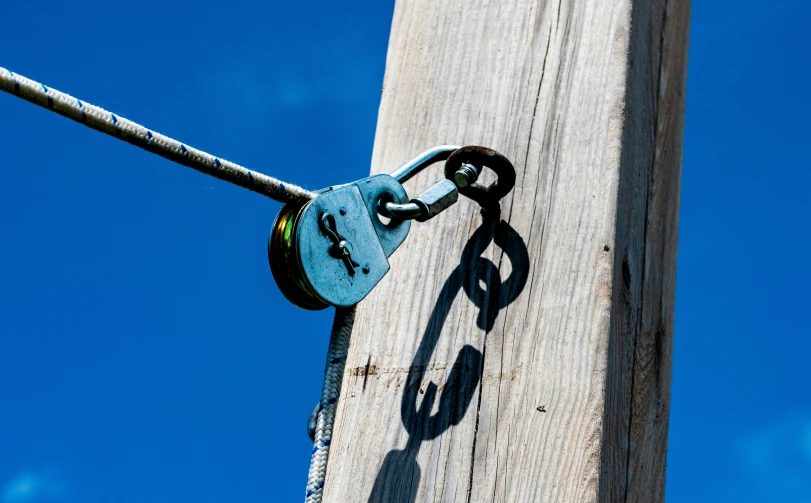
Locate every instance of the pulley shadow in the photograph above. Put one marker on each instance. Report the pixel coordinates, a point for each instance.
(399, 476)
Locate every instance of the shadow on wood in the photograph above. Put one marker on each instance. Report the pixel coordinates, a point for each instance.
(399, 476)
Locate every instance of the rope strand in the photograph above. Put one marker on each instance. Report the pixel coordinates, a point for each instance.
(124, 129)
(333, 376)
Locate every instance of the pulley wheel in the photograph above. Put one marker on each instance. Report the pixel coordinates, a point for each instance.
(285, 263)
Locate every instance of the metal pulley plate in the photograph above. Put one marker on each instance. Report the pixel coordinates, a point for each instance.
(334, 249)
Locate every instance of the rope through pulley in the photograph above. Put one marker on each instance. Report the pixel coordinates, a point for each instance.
(326, 248)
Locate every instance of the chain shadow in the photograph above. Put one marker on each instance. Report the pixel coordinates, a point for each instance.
(399, 475)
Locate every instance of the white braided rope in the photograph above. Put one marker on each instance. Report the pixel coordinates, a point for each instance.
(124, 129)
(336, 361)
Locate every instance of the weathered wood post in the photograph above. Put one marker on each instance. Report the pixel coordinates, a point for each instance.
(526, 356)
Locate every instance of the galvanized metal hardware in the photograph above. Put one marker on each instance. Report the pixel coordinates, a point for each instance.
(431, 202)
(334, 249)
(427, 205)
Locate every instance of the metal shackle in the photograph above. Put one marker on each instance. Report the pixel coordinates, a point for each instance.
(462, 169)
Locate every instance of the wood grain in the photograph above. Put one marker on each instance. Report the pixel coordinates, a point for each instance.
(526, 356)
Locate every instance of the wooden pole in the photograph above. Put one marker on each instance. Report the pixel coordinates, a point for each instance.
(526, 356)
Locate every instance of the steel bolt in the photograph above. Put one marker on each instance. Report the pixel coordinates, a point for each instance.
(466, 175)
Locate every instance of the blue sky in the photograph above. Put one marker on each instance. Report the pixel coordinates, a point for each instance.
(146, 354)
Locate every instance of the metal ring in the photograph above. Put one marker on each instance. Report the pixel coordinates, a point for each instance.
(480, 157)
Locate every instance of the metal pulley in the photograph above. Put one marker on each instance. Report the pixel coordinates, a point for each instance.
(334, 249)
